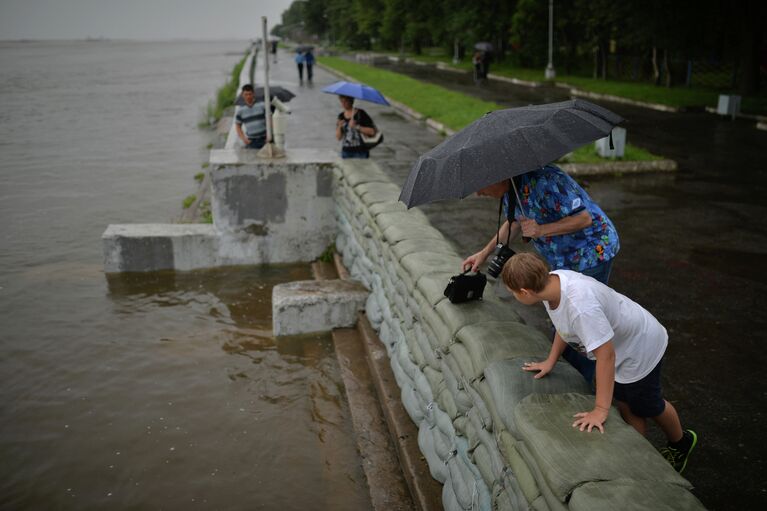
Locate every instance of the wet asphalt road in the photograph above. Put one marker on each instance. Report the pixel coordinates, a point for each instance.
(693, 246)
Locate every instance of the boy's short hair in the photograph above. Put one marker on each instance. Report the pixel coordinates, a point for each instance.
(247, 87)
(526, 271)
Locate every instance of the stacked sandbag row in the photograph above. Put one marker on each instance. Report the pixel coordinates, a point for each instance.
(494, 436)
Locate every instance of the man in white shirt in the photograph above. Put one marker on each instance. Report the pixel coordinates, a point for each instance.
(626, 341)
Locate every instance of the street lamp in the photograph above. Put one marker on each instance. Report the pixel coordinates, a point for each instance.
(550, 73)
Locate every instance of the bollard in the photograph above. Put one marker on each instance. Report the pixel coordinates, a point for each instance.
(619, 143)
(728, 105)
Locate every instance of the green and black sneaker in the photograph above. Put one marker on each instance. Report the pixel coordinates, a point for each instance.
(678, 453)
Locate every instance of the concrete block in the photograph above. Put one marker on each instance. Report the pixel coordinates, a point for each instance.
(151, 247)
(273, 210)
(316, 305)
(728, 105)
(619, 144)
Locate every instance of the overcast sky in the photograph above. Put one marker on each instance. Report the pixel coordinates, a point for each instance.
(137, 19)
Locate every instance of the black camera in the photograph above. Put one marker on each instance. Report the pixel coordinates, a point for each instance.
(500, 256)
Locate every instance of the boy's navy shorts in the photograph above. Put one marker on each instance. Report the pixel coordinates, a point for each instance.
(644, 397)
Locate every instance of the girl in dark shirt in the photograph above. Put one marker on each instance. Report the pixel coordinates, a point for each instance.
(352, 123)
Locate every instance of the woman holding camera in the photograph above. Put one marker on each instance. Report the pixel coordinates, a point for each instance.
(566, 227)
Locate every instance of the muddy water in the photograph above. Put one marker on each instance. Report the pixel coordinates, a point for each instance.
(161, 391)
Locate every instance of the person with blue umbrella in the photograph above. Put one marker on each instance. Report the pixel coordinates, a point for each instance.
(354, 127)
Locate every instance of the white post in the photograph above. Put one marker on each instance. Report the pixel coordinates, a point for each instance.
(267, 98)
(269, 150)
(550, 73)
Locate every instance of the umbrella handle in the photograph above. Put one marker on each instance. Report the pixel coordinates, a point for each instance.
(525, 239)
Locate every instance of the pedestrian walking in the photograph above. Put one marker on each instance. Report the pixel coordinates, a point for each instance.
(300, 64)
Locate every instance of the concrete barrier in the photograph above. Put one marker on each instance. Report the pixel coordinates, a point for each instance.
(150, 247)
(316, 306)
(265, 211)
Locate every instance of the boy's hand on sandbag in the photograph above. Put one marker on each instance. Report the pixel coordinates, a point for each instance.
(589, 420)
(543, 368)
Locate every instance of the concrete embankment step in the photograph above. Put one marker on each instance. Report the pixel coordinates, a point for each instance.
(316, 305)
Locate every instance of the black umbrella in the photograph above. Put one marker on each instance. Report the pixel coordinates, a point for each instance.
(304, 48)
(278, 92)
(504, 144)
(483, 46)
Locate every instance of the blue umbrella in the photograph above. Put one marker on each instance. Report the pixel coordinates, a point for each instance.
(356, 90)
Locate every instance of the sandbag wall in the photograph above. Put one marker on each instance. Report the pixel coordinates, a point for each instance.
(494, 436)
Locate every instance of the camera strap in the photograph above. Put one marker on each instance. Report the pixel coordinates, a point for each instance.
(498, 231)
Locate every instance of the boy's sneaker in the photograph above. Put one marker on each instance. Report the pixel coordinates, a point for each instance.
(679, 453)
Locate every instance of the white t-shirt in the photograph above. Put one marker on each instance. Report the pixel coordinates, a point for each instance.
(589, 314)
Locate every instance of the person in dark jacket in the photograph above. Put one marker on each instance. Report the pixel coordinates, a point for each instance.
(351, 124)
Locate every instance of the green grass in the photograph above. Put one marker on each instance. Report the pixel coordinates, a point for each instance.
(199, 177)
(452, 109)
(189, 200)
(226, 95)
(327, 254)
(588, 154)
(680, 97)
(206, 215)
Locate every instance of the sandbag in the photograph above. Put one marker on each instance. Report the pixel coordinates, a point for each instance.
(432, 286)
(437, 467)
(386, 207)
(509, 384)
(371, 193)
(435, 328)
(435, 378)
(518, 467)
(457, 316)
(569, 458)
(633, 496)
(362, 171)
(412, 403)
(447, 403)
(397, 233)
(507, 495)
(488, 342)
(461, 398)
(411, 245)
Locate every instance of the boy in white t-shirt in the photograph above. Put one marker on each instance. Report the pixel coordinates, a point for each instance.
(626, 341)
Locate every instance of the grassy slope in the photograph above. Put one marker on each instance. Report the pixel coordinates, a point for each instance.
(453, 109)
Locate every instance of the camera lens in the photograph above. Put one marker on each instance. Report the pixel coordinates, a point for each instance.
(500, 256)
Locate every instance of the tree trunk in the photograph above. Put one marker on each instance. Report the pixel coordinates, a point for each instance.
(751, 34)
(655, 70)
(666, 69)
(596, 62)
(603, 52)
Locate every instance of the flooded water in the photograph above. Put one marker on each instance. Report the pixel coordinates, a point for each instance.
(162, 391)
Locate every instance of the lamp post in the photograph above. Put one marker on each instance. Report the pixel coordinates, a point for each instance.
(550, 73)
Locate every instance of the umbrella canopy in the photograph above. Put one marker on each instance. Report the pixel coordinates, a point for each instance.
(304, 48)
(356, 90)
(483, 46)
(503, 144)
(278, 92)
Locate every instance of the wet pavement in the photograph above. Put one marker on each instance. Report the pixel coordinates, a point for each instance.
(691, 247)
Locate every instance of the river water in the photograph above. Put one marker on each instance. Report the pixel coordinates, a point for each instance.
(162, 391)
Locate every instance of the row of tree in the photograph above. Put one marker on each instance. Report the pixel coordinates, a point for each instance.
(586, 32)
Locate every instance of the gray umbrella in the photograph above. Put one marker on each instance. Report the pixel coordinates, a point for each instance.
(278, 92)
(483, 46)
(504, 144)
